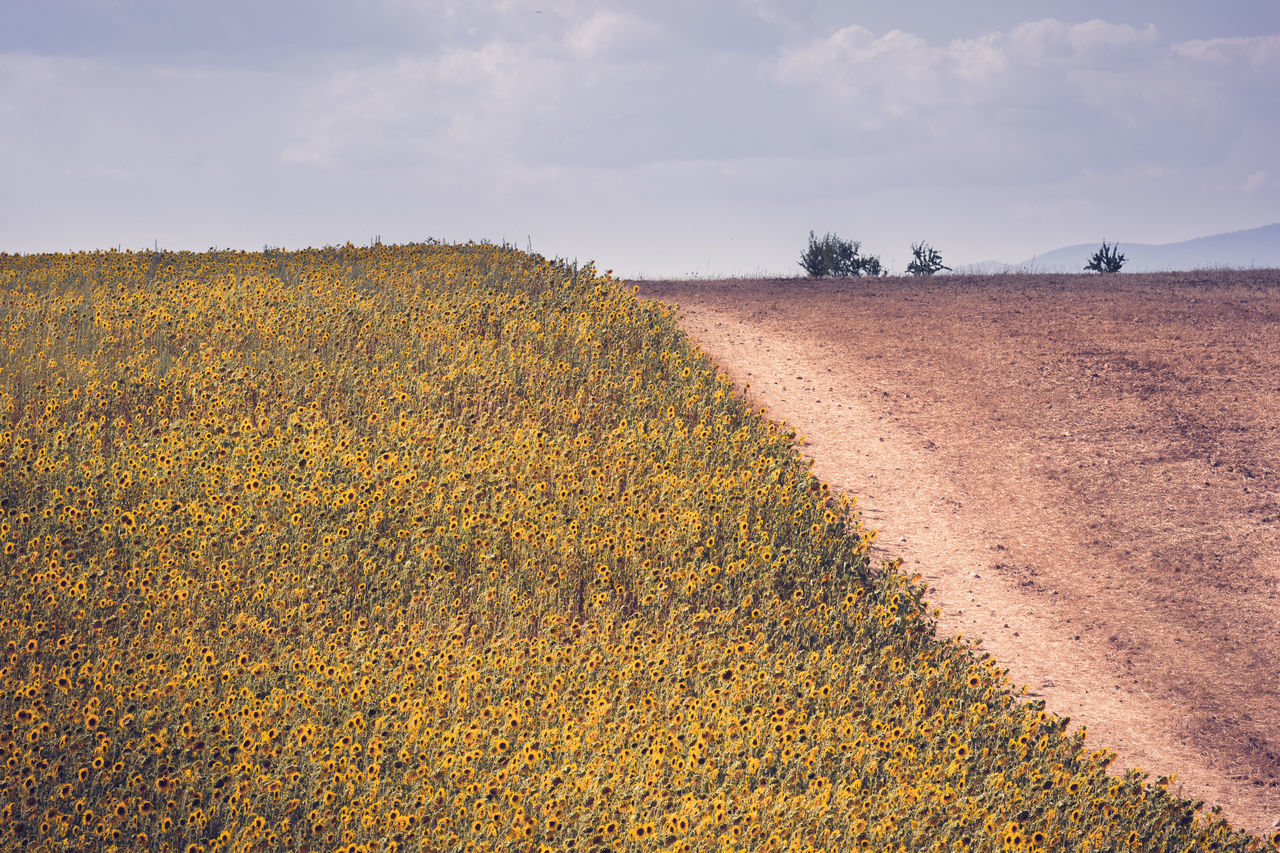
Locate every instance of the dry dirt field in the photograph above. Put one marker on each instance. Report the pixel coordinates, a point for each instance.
(1085, 469)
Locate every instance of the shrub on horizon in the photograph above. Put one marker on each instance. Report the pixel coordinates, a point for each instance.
(926, 260)
(1106, 259)
(833, 256)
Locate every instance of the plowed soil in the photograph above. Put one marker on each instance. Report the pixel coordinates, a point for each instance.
(1085, 469)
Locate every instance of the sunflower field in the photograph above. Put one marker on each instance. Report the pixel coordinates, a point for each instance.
(455, 548)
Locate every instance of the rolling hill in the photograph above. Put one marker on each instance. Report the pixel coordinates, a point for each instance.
(1254, 247)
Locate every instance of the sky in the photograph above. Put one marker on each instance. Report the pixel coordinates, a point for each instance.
(659, 138)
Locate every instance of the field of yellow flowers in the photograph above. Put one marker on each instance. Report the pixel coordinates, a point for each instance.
(456, 548)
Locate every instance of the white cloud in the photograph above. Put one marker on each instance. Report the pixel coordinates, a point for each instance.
(490, 101)
(1101, 37)
(1261, 180)
(977, 60)
(608, 33)
(1050, 42)
(1037, 42)
(463, 101)
(879, 78)
(1109, 71)
(766, 10)
(1258, 52)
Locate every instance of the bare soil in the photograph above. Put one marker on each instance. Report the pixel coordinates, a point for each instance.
(1085, 469)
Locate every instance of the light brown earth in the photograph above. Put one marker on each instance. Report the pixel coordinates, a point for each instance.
(1086, 471)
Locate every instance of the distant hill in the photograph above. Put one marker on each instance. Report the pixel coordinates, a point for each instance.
(1255, 247)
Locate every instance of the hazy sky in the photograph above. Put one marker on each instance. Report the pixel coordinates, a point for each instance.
(667, 137)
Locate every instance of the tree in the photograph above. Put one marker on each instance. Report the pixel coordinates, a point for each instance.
(832, 256)
(926, 261)
(1106, 259)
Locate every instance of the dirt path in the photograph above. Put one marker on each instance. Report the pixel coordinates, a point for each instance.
(1085, 472)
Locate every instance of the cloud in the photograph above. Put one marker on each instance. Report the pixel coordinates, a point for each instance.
(1226, 78)
(611, 34)
(462, 100)
(550, 105)
(880, 78)
(1260, 180)
(1260, 53)
(490, 101)
(1100, 37)
(1074, 93)
(900, 76)
(1044, 103)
